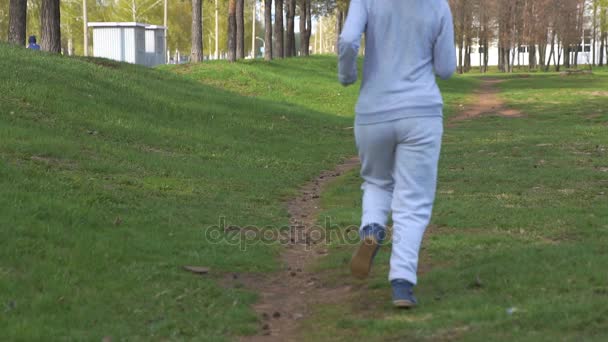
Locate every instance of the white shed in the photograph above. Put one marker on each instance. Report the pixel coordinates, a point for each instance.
(155, 45)
(129, 42)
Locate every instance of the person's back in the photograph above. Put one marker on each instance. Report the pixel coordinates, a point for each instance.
(32, 43)
(405, 40)
(399, 125)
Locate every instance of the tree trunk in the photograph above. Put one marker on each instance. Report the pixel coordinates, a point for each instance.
(217, 30)
(290, 40)
(486, 55)
(551, 52)
(305, 27)
(254, 19)
(594, 40)
(558, 54)
(532, 56)
(602, 41)
(542, 55)
(504, 63)
(500, 64)
(268, 30)
(309, 25)
(467, 58)
(278, 29)
(240, 29)
(196, 54)
(518, 56)
(232, 30)
(339, 21)
(605, 46)
(85, 30)
(50, 26)
(17, 22)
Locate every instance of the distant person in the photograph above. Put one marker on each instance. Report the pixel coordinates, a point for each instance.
(32, 43)
(398, 125)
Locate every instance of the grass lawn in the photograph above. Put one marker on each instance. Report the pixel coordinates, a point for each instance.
(519, 244)
(110, 172)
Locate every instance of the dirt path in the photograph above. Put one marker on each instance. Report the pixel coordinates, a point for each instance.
(287, 296)
(487, 102)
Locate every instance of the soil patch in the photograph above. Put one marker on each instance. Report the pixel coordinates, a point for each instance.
(287, 296)
(487, 102)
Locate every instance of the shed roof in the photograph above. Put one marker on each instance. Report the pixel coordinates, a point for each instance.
(155, 27)
(124, 24)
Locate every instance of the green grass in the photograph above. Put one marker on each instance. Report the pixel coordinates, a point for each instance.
(522, 207)
(87, 143)
(306, 82)
(109, 174)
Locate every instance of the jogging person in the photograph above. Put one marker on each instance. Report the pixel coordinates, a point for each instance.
(398, 125)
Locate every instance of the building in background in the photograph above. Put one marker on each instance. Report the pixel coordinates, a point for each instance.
(130, 42)
(581, 54)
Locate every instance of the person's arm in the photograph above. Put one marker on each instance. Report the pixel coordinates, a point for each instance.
(350, 41)
(444, 51)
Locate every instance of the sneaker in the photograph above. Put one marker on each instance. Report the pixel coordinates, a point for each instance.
(372, 237)
(403, 294)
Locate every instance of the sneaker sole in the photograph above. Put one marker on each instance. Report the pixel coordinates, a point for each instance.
(361, 262)
(404, 304)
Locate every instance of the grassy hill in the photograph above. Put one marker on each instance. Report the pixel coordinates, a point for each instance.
(108, 175)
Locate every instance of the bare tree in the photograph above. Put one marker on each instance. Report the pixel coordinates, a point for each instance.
(50, 24)
(268, 30)
(580, 28)
(196, 54)
(485, 14)
(463, 27)
(540, 27)
(533, 32)
(567, 29)
(17, 22)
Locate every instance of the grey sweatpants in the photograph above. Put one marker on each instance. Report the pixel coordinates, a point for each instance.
(399, 168)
